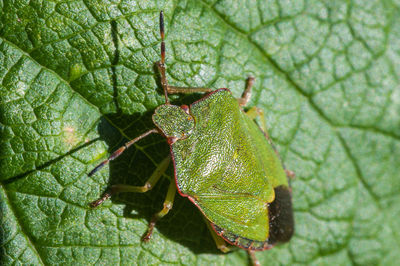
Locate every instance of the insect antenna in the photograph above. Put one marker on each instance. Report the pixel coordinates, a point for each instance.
(121, 150)
(161, 64)
(162, 37)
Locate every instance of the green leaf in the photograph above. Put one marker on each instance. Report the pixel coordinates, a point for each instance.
(78, 79)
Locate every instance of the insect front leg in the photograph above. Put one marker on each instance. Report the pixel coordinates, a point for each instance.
(168, 203)
(150, 183)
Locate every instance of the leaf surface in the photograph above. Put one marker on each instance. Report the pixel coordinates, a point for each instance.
(78, 79)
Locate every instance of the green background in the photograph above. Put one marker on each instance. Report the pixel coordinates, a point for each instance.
(78, 79)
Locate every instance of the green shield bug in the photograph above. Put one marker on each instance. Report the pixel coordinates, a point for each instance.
(224, 163)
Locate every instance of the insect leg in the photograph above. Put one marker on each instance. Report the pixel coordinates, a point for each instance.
(161, 68)
(247, 92)
(188, 90)
(168, 203)
(219, 241)
(150, 183)
(121, 150)
(173, 89)
(253, 258)
(253, 113)
(290, 174)
(221, 245)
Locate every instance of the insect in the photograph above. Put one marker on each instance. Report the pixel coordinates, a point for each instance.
(224, 163)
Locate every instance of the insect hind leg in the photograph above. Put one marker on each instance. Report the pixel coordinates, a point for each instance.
(253, 258)
(219, 241)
